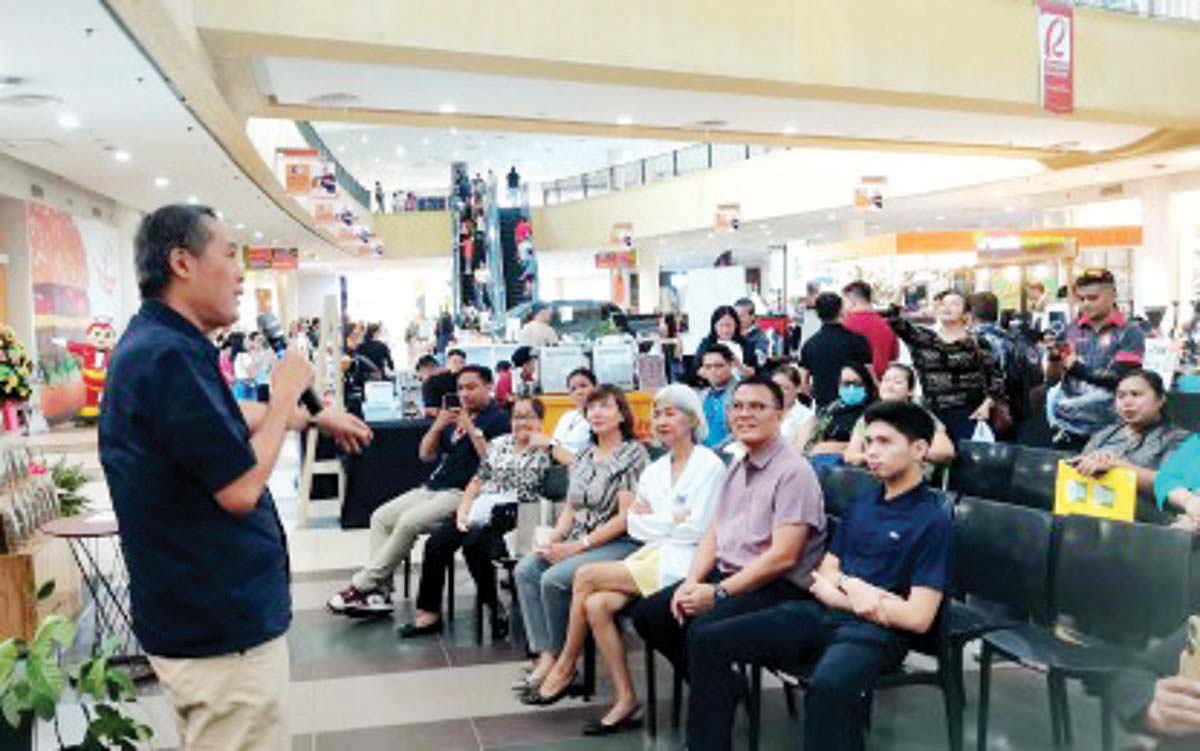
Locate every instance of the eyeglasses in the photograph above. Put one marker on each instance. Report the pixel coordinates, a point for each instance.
(756, 408)
(524, 416)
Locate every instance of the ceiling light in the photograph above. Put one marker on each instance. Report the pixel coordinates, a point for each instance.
(378, 160)
(69, 121)
(457, 154)
(121, 155)
(341, 149)
(831, 216)
(239, 225)
(447, 108)
(454, 131)
(363, 138)
(220, 214)
(625, 120)
(789, 130)
(941, 217)
(424, 141)
(1009, 209)
(711, 235)
(401, 151)
(819, 235)
(257, 235)
(161, 182)
(193, 200)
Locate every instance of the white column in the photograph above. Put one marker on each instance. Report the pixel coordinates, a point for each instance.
(1156, 268)
(648, 268)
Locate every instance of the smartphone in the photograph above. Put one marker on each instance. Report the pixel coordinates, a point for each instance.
(451, 401)
(1189, 661)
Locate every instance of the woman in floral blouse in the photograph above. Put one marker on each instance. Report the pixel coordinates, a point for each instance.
(590, 528)
(511, 473)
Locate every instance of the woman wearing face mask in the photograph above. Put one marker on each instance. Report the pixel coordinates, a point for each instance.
(1140, 441)
(724, 330)
(824, 437)
(959, 377)
(898, 385)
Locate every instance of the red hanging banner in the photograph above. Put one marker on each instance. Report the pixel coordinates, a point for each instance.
(1056, 53)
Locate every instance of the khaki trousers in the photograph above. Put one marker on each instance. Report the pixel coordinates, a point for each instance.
(396, 525)
(232, 702)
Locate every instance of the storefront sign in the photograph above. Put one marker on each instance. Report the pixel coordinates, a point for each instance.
(868, 196)
(257, 258)
(729, 217)
(305, 174)
(617, 259)
(279, 259)
(1056, 52)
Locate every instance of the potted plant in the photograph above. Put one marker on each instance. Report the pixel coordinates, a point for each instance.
(33, 678)
(15, 369)
(68, 478)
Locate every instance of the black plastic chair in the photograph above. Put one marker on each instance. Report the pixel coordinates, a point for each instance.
(841, 484)
(983, 469)
(1034, 474)
(1114, 585)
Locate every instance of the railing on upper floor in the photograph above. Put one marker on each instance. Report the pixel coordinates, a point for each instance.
(652, 169)
(344, 178)
(1173, 10)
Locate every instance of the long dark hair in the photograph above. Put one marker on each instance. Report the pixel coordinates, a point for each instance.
(605, 391)
(868, 380)
(718, 314)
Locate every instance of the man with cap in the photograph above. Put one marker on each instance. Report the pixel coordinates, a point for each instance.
(1088, 361)
(538, 332)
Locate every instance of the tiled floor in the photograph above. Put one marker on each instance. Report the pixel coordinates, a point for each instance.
(355, 685)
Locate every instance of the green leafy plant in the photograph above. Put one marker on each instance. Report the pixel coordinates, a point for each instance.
(33, 678)
(69, 478)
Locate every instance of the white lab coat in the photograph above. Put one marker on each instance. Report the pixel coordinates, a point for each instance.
(698, 488)
(573, 431)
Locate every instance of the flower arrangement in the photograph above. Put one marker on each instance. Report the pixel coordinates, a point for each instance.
(15, 367)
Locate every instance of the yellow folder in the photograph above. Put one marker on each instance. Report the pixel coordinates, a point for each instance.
(1113, 495)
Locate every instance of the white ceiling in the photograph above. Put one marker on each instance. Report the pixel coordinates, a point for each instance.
(419, 158)
(121, 103)
(385, 87)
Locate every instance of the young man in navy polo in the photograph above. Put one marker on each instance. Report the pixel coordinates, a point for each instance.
(880, 584)
(187, 468)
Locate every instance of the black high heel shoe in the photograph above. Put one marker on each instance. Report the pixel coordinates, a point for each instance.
(535, 698)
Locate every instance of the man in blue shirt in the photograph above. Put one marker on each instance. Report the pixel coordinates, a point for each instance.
(187, 468)
(716, 367)
(881, 582)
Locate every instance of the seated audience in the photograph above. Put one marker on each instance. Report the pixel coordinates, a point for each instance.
(1140, 440)
(795, 411)
(572, 434)
(1177, 486)
(457, 440)
(881, 583)
(898, 383)
(716, 367)
(675, 500)
(509, 474)
(1157, 698)
(828, 432)
(767, 534)
(590, 528)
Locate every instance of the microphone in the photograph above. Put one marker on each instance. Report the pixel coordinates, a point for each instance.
(272, 331)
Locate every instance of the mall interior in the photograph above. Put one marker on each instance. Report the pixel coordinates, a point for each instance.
(532, 188)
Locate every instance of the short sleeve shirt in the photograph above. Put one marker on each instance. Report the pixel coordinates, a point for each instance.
(595, 483)
(459, 461)
(203, 581)
(826, 353)
(896, 544)
(770, 488)
(508, 472)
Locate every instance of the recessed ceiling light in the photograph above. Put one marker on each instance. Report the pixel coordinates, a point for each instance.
(69, 121)
(401, 151)
(941, 217)
(1009, 209)
(161, 182)
(789, 130)
(447, 108)
(831, 216)
(483, 144)
(342, 149)
(424, 141)
(257, 235)
(920, 229)
(711, 235)
(121, 155)
(239, 225)
(625, 120)
(454, 131)
(457, 154)
(363, 138)
(193, 200)
(819, 235)
(220, 214)
(378, 160)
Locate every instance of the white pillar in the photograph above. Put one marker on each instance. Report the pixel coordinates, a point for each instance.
(648, 268)
(1156, 269)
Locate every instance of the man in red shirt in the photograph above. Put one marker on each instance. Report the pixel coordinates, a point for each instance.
(861, 318)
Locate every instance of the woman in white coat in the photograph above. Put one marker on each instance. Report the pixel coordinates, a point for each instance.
(676, 497)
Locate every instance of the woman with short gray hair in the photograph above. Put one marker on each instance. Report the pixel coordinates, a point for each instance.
(676, 496)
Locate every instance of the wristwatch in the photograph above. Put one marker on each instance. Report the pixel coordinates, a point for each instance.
(720, 594)
(477, 433)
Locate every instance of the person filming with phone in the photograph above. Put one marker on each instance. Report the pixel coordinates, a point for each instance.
(456, 441)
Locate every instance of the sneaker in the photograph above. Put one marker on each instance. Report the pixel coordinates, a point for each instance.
(358, 603)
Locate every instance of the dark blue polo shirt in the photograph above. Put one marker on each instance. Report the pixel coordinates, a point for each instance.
(459, 460)
(202, 580)
(898, 544)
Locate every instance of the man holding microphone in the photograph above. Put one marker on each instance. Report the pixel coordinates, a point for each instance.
(187, 468)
